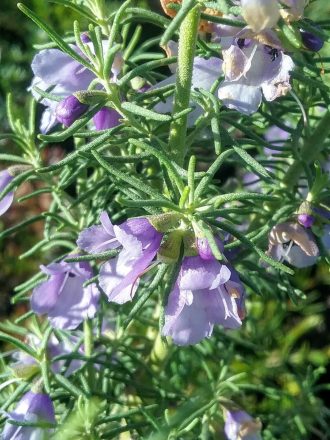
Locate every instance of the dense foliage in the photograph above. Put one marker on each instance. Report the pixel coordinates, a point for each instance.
(167, 166)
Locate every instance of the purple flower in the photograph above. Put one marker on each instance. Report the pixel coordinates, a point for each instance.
(311, 41)
(206, 293)
(252, 69)
(98, 238)
(293, 243)
(7, 200)
(69, 110)
(106, 118)
(57, 72)
(119, 277)
(239, 425)
(260, 14)
(63, 296)
(33, 408)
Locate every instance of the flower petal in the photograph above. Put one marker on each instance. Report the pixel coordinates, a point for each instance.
(241, 97)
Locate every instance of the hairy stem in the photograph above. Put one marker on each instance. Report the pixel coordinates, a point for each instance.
(187, 44)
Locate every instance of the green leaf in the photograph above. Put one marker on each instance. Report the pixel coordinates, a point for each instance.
(249, 160)
(146, 113)
(54, 36)
(131, 180)
(77, 8)
(163, 158)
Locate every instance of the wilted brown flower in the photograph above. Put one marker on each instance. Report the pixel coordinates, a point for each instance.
(204, 26)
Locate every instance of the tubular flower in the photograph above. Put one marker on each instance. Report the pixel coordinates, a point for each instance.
(7, 200)
(206, 293)
(260, 14)
(32, 408)
(252, 69)
(293, 243)
(63, 296)
(140, 243)
(62, 76)
(239, 425)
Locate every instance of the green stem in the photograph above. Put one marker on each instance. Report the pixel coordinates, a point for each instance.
(187, 44)
(310, 151)
(88, 346)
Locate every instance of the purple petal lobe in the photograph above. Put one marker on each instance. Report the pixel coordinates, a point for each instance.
(106, 118)
(63, 296)
(69, 110)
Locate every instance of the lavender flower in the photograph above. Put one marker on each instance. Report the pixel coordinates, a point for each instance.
(119, 276)
(69, 110)
(239, 425)
(55, 70)
(252, 69)
(206, 293)
(34, 408)
(140, 243)
(63, 297)
(7, 200)
(260, 14)
(293, 243)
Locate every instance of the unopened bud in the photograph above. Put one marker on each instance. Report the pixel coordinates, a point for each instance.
(169, 250)
(164, 222)
(25, 371)
(306, 220)
(85, 37)
(16, 170)
(311, 41)
(69, 110)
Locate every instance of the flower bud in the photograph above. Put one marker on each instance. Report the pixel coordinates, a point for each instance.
(69, 110)
(165, 221)
(260, 14)
(106, 118)
(204, 249)
(306, 220)
(311, 41)
(85, 37)
(169, 250)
